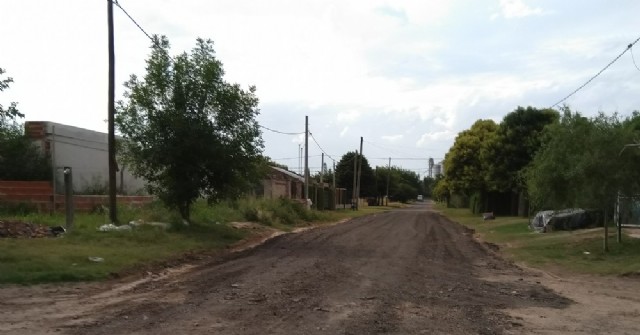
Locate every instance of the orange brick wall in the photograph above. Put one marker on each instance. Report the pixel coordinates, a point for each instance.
(40, 194)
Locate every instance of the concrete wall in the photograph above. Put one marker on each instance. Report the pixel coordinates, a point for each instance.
(85, 151)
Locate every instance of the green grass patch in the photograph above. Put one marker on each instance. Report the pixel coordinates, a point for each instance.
(579, 251)
(66, 258)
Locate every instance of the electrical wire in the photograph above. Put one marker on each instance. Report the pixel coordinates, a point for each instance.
(597, 74)
(634, 60)
(280, 132)
(318, 144)
(115, 2)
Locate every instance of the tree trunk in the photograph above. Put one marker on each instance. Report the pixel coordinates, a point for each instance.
(185, 210)
(606, 232)
(523, 204)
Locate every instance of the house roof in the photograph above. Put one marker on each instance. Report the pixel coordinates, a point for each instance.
(289, 173)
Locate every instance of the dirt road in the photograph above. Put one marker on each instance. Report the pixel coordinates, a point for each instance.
(409, 271)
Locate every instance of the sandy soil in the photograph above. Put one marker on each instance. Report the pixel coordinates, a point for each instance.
(409, 271)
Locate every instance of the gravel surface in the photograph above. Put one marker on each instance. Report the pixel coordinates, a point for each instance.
(409, 271)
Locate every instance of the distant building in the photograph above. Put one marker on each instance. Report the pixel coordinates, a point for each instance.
(85, 151)
(438, 169)
(281, 183)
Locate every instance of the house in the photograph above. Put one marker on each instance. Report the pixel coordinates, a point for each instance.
(85, 151)
(282, 183)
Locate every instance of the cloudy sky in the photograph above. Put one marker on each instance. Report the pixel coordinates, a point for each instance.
(407, 75)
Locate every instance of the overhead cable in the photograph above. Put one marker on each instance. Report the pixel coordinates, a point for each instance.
(318, 144)
(597, 74)
(280, 132)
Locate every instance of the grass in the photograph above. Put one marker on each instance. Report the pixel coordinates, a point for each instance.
(42, 260)
(579, 251)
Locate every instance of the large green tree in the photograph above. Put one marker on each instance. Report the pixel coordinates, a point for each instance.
(517, 139)
(187, 131)
(581, 163)
(344, 175)
(464, 163)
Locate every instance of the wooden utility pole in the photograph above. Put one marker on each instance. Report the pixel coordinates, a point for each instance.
(388, 177)
(111, 120)
(333, 189)
(359, 176)
(355, 175)
(321, 185)
(306, 160)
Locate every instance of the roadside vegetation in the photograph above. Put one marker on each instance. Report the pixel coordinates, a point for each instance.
(578, 251)
(67, 258)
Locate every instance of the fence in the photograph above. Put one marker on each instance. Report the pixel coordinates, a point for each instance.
(40, 196)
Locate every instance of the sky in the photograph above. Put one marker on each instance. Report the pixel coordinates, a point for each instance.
(405, 75)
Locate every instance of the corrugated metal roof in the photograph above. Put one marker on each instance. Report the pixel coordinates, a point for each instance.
(289, 173)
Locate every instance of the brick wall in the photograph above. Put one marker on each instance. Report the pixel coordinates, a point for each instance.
(40, 195)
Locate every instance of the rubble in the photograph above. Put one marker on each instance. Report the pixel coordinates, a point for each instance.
(21, 229)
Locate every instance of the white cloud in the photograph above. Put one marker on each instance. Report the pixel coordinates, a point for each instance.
(423, 69)
(438, 136)
(392, 138)
(344, 131)
(510, 9)
(349, 116)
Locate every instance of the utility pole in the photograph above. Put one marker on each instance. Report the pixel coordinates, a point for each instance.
(388, 177)
(322, 169)
(111, 120)
(355, 175)
(306, 160)
(321, 185)
(359, 175)
(335, 203)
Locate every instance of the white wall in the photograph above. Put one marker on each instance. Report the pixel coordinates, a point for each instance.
(86, 152)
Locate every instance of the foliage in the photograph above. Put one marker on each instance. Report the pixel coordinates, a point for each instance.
(512, 149)
(581, 163)
(441, 189)
(19, 158)
(11, 112)
(404, 185)
(429, 184)
(188, 132)
(344, 175)
(464, 163)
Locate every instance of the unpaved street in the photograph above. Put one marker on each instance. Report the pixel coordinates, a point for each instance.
(408, 271)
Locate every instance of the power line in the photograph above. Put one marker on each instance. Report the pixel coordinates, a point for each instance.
(280, 132)
(318, 144)
(291, 158)
(634, 60)
(597, 74)
(115, 2)
(403, 158)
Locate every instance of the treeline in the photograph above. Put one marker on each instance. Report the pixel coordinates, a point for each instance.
(402, 185)
(542, 159)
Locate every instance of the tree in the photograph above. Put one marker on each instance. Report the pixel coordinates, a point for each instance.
(581, 164)
(464, 164)
(344, 175)
(517, 140)
(19, 158)
(404, 185)
(187, 131)
(11, 112)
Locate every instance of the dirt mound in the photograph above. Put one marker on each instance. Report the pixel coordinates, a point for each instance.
(24, 229)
